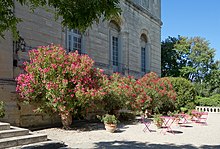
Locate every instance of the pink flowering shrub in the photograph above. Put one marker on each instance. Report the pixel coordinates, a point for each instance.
(148, 92)
(117, 94)
(157, 93)
(67, 83)
(60, 81)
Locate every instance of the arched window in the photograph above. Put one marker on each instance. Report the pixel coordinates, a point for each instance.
(115, 46)
(74, 40)
(144, 53)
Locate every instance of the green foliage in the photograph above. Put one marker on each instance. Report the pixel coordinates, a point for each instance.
(61, 82)
(197, 56)
(158, 120)
(154, 93)
(117, 92)
(212, 82)
(213, 101)
(108, 119)
(126, 116)
(202, 89)
(183, 109)
(191, 58)
(78, 14)
(170, 64)
(185, 93)
(149, 92)
(2, 109)
(8, 20)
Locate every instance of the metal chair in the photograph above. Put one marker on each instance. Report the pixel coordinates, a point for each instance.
(146, 123)
(203, 118)
(167, 122)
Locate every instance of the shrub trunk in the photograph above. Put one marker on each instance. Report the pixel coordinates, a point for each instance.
(66, 119)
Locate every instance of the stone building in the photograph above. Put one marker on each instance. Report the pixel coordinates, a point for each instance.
(129, 45)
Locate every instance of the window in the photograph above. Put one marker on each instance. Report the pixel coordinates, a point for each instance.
(143, 59)
(115, 46)
(144, 54)
(74, 40)
(115, 50)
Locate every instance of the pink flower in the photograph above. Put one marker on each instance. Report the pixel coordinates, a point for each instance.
(101, 70)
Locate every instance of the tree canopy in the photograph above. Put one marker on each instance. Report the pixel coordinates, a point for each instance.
(198, 57)
(169, 58)
(78, 14)
(191, 58)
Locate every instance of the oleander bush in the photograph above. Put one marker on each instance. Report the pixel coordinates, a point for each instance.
(149, 92)
(159, 91)
(68, 83)
(61, 82)
(117, 93)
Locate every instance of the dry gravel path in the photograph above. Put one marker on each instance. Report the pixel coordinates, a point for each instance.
(132, 136)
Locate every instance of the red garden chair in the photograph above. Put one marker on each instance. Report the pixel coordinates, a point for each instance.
(203, 118)
(146, 124)
(195, 115)
(167, 122)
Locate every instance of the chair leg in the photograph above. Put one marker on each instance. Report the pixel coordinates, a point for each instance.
(146, 127)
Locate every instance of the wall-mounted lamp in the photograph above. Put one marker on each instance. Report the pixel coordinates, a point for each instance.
(20, 44)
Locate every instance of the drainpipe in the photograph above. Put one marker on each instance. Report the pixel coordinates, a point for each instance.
(13, 54)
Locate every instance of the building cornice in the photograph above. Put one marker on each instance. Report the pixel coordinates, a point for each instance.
(140, 8)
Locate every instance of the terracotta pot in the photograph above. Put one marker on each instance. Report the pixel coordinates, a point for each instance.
(158, 125)
(110, 127)
(147, 113)
(66, 119)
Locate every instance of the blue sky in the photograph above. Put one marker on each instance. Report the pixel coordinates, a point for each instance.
(192, 18)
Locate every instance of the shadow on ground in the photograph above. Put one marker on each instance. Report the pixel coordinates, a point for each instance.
(134, 145)
(84, 125)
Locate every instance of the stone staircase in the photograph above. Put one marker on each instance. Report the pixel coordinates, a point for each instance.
(20, 138)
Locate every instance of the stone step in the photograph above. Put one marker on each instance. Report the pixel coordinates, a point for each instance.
(43, 145)
(13, 132)
(4, 126)
(22, 140)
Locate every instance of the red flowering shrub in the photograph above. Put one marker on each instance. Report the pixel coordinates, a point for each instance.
(67, 83)
(60, 81)
(155, 93)
(148, 92)
(117, 92)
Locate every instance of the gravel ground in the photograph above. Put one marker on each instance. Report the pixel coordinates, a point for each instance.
(132, 136)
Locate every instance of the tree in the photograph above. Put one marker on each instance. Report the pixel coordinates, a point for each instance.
(213, 81)
(197, 57)
(169, 58)
(75, 13)
(191, 58)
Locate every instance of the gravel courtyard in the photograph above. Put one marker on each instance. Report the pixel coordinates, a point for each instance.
(132, 136)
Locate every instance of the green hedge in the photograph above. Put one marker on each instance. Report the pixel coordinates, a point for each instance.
(213, 101)
(186, 93)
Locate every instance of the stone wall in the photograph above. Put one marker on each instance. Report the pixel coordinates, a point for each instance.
(20, 114)
(134, 21)
(39, 28)
(6, 56)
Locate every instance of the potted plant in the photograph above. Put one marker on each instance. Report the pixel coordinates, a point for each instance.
(110, 122)
(158, 121)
